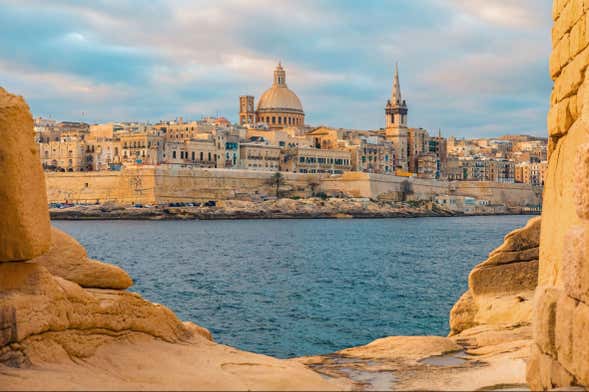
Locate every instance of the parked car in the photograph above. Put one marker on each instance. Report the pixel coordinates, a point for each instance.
(210, 203)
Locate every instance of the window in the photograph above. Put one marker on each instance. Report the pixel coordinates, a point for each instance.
(174, 154)
(193, 155)
(202, 156)
(279, 120)
(273, 120)
(209, 156)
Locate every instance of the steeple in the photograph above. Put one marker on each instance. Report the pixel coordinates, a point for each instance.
(396, 98)
(280, 75)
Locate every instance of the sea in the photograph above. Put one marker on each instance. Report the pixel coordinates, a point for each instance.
(290, 288)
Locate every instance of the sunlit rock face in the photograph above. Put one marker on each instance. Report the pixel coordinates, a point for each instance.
(501, 288)
(560, 353)
(25, 230)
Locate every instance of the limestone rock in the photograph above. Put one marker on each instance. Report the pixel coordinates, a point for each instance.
(410, 347)
(463, 313)
(25, 230)
(581, 197)
(544, 373)
(43, 303)
(508, 278)
(576, 268)
(68, 259)
(545, 319)
(501, 288)
(521, 239)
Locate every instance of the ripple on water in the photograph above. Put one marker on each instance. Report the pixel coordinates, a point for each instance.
(301, 287)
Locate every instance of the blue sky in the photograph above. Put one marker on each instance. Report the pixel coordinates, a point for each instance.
(469, 67)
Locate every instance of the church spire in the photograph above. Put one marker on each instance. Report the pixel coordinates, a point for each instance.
(396, 98)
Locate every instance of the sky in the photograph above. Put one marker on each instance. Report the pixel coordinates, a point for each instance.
(471, 68)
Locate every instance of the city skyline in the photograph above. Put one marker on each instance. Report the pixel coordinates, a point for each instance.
(169, 59)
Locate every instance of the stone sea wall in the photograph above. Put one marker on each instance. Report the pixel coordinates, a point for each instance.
(165, 183)
(560, 354)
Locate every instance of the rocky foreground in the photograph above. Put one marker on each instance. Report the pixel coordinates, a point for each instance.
(311, 208)
(69, 323)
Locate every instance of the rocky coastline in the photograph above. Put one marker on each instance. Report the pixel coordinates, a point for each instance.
(311, 208)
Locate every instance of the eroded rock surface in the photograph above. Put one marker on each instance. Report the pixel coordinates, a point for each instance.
(560, 353)
(501, 289)
(25, 230)
(68, 259)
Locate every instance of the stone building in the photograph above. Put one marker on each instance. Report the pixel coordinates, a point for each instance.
(260, 156)
(428, 165)
(315, 160)
(533, 173)
(195, 152)
(372, 154)
(65, 154)
(279, 107)
(141, 148)
(396, 130)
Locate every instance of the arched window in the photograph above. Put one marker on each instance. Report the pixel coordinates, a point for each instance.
(279, 120)
(273, 120)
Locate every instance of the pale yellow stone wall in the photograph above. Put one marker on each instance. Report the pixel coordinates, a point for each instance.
(166, 183)
(560, 354)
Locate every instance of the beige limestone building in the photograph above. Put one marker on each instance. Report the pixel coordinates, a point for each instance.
(260, 156)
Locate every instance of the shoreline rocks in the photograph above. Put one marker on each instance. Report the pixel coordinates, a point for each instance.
(312, 208)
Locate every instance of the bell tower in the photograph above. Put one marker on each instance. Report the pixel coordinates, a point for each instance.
(280, 76)
(396, 122)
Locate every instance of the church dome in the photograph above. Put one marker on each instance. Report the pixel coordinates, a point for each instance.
(279, 97)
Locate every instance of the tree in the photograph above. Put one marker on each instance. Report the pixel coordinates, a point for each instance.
(277, 180)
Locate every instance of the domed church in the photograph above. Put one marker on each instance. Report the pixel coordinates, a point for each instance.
(278, 107)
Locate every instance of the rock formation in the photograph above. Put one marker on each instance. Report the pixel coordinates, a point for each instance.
(66, 321)
(501, 289)
(560, 353)
(23, 198)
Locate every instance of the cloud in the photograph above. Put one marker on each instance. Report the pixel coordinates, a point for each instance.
(460, 60)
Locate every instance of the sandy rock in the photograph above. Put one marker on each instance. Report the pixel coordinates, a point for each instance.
(68, 259)
(463, 313)
(544, 373)
(576, 268)
(544, 320)
(504, 310)
(501, 287)
(572, 338)
(41, 303)
(506, 278)
(141, 362)
(411, 347)
(520, 239)
(581, 198)
(25, 230)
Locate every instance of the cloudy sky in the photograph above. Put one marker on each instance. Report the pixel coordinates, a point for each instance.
(469, 67)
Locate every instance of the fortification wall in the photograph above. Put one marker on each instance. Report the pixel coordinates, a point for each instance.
(128, 186)
(160, 184)
(560, 355)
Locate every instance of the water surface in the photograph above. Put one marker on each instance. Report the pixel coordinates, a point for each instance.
(301, 287)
